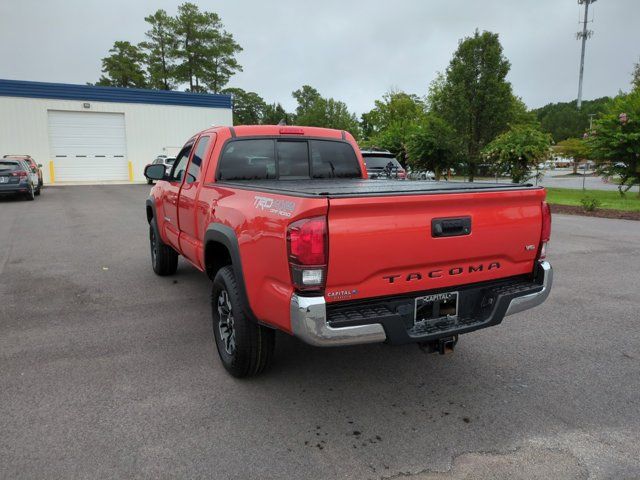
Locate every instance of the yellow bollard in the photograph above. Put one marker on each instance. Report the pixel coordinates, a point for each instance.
(130, 171)
(52, 172)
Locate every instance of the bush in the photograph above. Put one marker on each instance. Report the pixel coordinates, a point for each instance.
(589, 203)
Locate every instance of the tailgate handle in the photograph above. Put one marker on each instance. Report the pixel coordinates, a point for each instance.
(450, 227)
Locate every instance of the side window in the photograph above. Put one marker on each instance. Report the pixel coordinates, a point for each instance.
(248, 160)
(180, 165)
(333, 160)
(293, 159)
(193, 173)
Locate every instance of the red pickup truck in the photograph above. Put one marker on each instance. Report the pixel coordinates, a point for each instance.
(296, 238)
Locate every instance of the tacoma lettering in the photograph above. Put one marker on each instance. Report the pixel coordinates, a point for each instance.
(453, 271)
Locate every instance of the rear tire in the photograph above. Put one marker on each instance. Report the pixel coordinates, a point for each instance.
(164, 259)
(245, 348)
(149, 182)
(30, 195)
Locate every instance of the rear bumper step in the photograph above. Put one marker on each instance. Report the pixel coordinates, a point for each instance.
(391, 319)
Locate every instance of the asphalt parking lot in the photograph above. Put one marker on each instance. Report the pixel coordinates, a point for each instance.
(108, 371)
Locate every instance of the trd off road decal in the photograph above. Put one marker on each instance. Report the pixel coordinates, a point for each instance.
(284, 208)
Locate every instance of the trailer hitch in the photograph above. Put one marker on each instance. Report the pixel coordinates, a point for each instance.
(442, 345)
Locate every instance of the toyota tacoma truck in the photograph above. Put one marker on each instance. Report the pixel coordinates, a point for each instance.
(296, 238)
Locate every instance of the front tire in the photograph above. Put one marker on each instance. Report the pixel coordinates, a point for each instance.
(164, 259)
(245, 348)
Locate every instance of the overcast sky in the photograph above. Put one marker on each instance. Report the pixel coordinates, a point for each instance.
(354, 51)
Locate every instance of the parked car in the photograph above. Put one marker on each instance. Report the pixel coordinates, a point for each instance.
(17, 177)
(382, 164)
(295, 238)
(35, 168)
(562, 162)
(587, 165)
(163, 160)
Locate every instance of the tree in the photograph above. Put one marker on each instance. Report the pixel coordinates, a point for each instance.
(160, 48)
(306, 96)
(517, 151)
(205, 52)
(248, 107)
(574, 148)
(615, 140)
(124, 67)
(315, 111)
(392, 121)
(635, 77)
(222, 64)
(563, 120)
(474, 96)
(432, 145)
(274, 113)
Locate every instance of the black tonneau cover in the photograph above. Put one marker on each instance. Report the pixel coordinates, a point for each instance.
(349, 187)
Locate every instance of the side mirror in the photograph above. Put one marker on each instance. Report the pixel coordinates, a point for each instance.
(39, 165)
(155, 172)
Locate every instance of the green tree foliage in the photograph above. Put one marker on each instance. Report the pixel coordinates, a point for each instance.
(274, 113)
(392, 121)
(517, 151)
(432, 145)
(615, 140)
(315, 111)
(474, 96)
(192, 48)
(124, 67)
(205, 53)
(563, 120)
(573, 148)
(248, 107)
(160, 48)
(307, 97)
(635, 77)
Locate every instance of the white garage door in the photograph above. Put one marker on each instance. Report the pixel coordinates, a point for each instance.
(88, 146)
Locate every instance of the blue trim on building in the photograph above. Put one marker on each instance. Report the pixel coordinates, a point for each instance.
(65, 91)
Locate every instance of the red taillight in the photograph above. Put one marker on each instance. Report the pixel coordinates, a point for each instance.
(402, 174)
(545, 236)
(307, 249)
(19, 174)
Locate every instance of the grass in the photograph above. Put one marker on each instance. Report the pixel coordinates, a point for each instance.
(607, 200)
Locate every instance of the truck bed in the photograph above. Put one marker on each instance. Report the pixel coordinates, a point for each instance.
(348, 187)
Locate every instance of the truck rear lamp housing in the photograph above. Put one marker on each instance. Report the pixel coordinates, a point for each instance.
(307, 253)
(545, 235)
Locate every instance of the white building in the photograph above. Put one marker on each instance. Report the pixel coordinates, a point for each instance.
(101, 134)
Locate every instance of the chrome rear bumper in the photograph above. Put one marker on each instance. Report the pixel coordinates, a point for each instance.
(526, 302)
(309, 316)
(309, 323)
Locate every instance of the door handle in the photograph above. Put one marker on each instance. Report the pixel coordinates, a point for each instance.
(450, 227)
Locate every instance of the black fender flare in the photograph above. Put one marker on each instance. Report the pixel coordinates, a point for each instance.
(150, 203)
(225, 235)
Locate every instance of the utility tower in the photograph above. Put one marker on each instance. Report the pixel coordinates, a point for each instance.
(583, 35)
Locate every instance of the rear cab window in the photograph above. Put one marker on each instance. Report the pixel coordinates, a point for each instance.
(287, 159)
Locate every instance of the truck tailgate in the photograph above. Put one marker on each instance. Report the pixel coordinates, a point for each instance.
(385, 245)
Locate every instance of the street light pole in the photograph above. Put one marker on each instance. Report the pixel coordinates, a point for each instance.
(583, 35)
